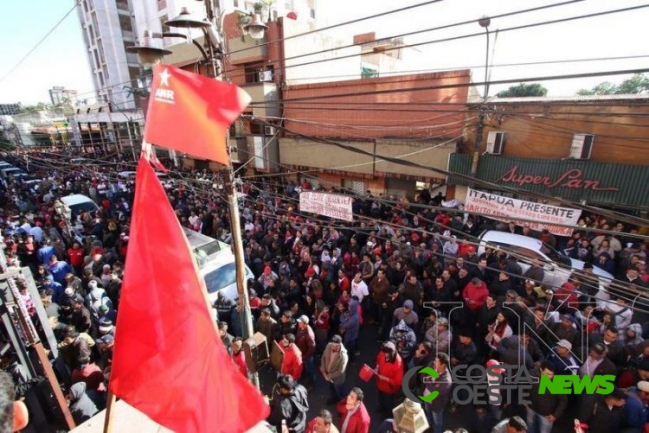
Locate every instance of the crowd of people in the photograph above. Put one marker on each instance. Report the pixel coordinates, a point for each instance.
(396, 273)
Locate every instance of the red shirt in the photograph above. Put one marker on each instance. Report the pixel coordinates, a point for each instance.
(76, 256)
(240, 361)
(292, 364)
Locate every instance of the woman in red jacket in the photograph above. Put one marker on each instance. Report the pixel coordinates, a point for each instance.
(389, 375)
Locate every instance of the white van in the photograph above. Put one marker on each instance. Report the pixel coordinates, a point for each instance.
(220, 275)
(79, 203)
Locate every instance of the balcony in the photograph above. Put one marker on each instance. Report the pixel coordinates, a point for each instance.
(265, 92)
(244, 49)
(239, 146)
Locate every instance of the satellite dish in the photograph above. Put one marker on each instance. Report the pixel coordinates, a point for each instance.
(291, 15)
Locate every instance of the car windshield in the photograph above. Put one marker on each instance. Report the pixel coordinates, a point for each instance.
(82, 207)
(221, 277)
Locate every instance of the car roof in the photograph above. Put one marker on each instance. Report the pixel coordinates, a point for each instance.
(74, 199)
(218, 260)
(495, 236)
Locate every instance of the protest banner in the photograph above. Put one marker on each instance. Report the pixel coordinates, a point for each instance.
(509, 209)
(331, 205)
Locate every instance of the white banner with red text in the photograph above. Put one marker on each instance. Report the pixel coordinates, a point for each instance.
(508, 209)
(330, 205)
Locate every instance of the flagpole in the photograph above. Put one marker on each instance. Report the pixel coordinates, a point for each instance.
(108, 420)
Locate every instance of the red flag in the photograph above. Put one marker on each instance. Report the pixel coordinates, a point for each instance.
(169, 361)
(191, 113)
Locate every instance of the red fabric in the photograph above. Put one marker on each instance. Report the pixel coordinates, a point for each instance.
(292, 364)
(168, 360)
(92, 375)
(191, 113)
(567, 294)
(359, 421)
(392, 370)
(240, 362)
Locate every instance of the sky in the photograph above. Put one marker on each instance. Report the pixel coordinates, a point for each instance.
(61, 60)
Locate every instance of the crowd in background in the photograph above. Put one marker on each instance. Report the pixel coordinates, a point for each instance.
(397, 270)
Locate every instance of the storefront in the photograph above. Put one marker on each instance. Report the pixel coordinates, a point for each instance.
(602, 184)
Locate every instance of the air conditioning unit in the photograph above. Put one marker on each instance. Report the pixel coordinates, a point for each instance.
(269, 130)
(495, 142)
(265, 76)
(582, 146)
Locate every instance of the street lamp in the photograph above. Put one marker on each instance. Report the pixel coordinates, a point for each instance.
(147, 52)
(215, 43)
(484, 23)
(409, 417)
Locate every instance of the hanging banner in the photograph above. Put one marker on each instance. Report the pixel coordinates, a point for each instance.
(508, 209)
(331, 205)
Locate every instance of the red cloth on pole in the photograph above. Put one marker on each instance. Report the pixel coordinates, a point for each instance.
(191, 113)
(169, 362)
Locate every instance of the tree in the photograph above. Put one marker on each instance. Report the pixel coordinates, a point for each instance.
(523, 90)
(639, 83)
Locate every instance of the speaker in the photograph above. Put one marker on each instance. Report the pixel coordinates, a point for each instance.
(255, 350)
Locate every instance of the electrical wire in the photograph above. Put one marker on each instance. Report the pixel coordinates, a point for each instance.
(449, 39)
(40, 42)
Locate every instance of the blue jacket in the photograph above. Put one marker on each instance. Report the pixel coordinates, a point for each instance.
(637, 414)
(350, 322)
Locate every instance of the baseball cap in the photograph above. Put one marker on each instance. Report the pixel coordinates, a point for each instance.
(303, 319)
(408, 304)
(565, 343)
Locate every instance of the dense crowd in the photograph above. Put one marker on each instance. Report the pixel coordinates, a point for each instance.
(398, 270)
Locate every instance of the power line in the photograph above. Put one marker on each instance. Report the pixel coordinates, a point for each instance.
(38, 44)
(421, 31)
(454, 38)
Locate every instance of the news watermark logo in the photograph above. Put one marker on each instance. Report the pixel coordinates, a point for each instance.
(495, 384)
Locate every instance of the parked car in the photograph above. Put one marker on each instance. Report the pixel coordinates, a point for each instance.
(557, 267)
(220, 275)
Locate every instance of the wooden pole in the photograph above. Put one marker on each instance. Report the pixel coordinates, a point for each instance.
(108, 420)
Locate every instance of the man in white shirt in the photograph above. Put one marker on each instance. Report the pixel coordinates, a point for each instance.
(359, 288)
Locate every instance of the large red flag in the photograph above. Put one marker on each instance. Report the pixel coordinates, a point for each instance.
(168, 361)
(191, 113)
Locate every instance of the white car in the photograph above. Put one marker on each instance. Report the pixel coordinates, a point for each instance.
(556, 266)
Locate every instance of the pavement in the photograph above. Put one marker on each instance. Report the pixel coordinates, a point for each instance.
(465, 416)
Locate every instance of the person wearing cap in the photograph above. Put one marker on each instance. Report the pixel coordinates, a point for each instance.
(56, 288)
(544, 409)
(562, 358)
(440, 336)
(597, 362)
(333, 366)
(565, 329)
(637, 407)
(305, 341)
(407, 314)
(105, 345)
(514, 424)
(603, 413)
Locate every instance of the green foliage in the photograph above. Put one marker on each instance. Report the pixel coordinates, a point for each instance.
(639, 83)
(523, 90)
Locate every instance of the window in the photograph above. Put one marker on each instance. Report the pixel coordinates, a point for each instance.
(313, 13)
(162, 4)
(221, 277)
(97, 62)
(91, 30)
(125, 23)
(236, 3)
(133, 72)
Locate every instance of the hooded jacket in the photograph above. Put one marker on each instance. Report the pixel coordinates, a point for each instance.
(291, 407)
(292, 363)
(637, 328)
(392, 370)
(350, 322)
(81, 407)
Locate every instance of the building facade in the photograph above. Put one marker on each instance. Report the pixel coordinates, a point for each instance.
(590, 149)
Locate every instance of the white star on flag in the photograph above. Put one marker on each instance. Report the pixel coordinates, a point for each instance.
(164, 78)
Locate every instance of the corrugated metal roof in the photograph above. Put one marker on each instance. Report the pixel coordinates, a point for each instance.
(594, 182)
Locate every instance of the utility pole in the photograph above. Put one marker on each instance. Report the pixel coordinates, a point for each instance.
(484, 23)
(216, 52)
